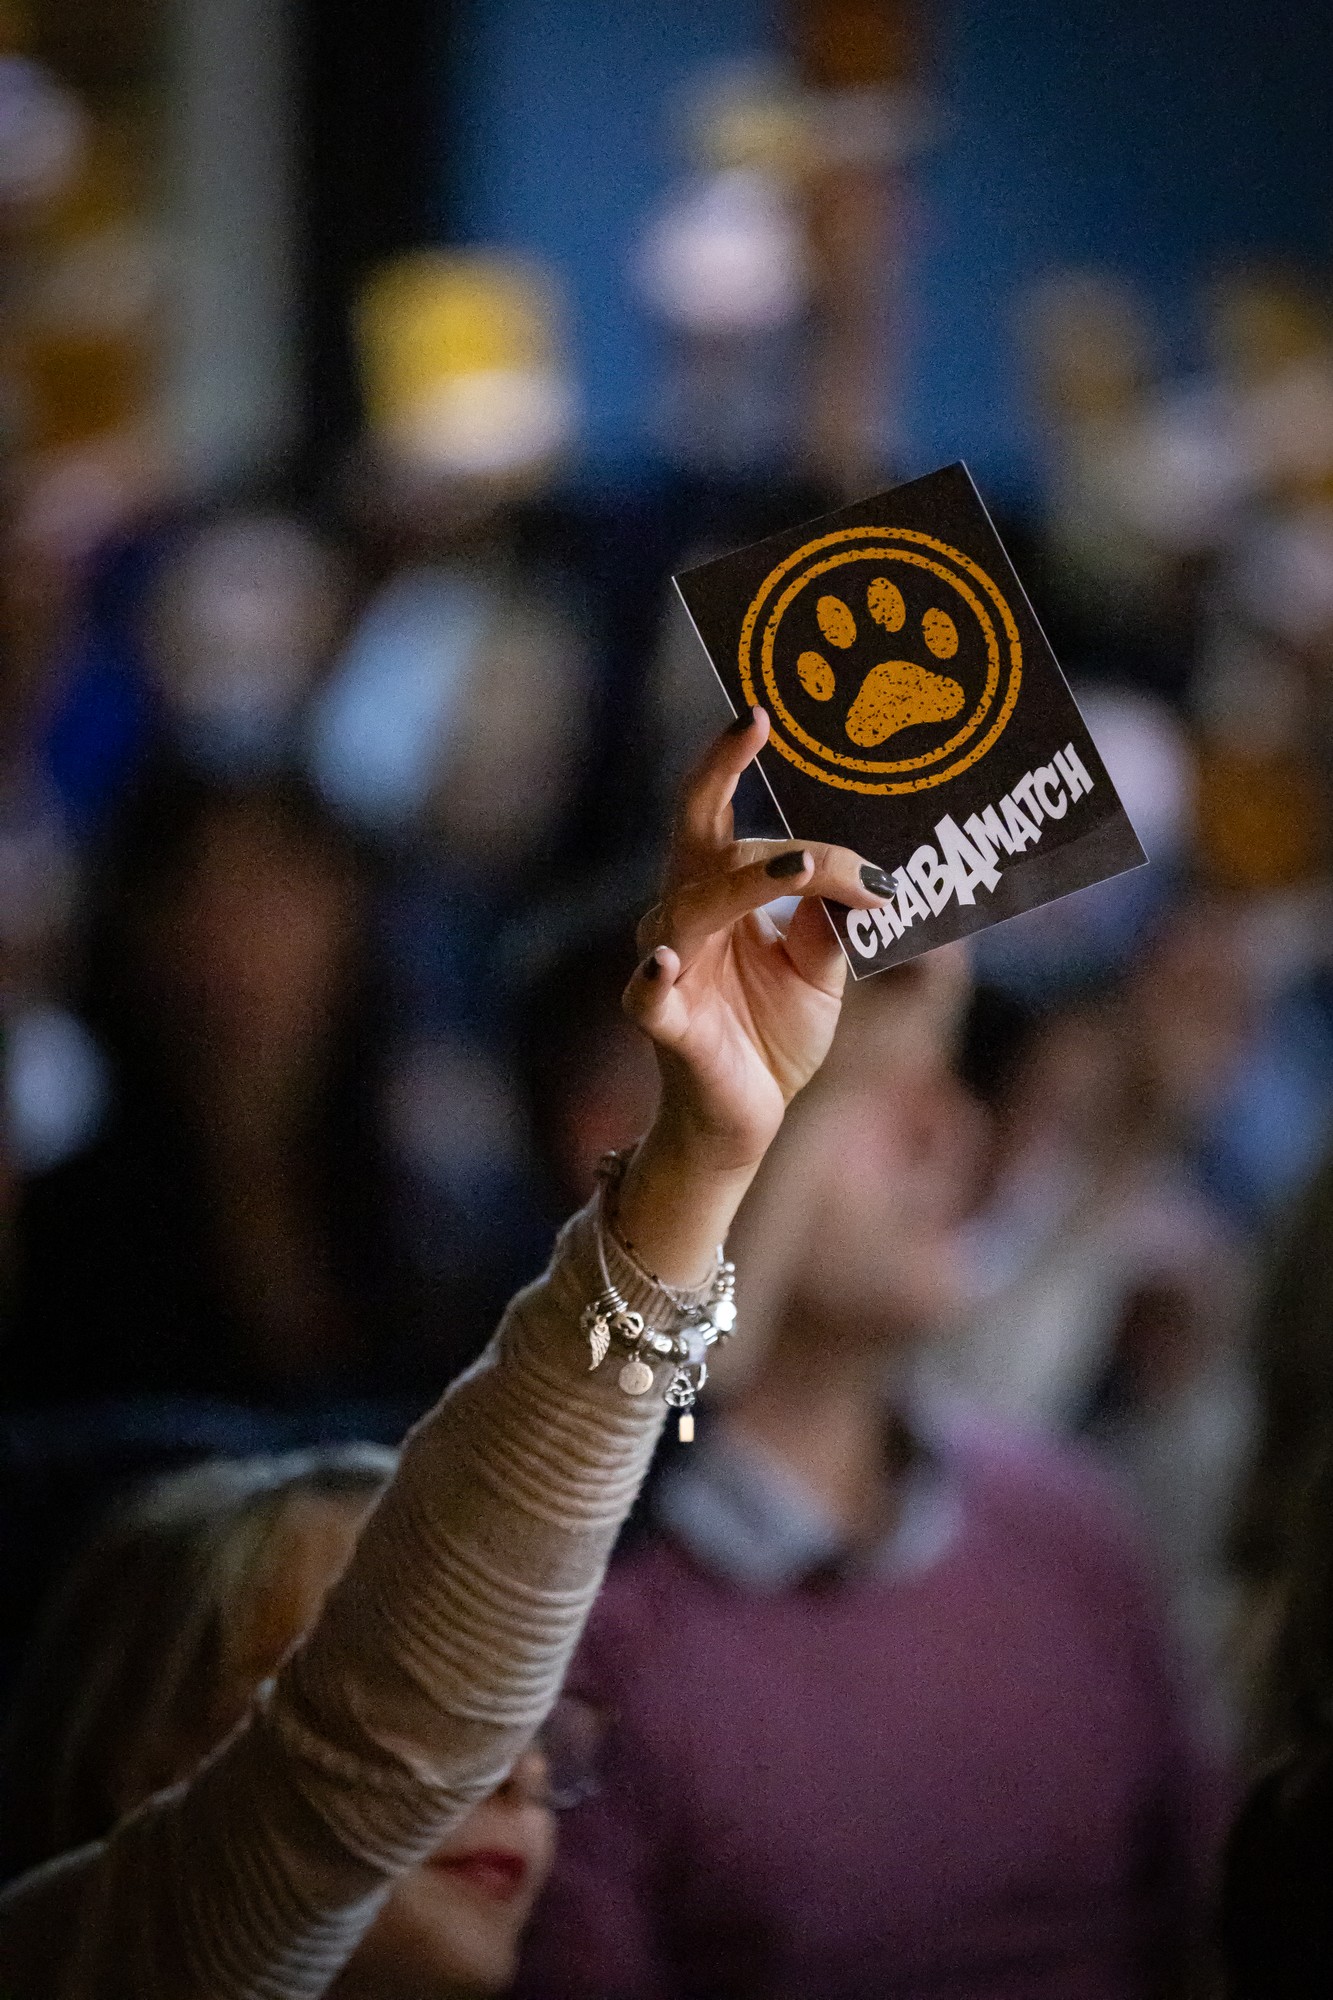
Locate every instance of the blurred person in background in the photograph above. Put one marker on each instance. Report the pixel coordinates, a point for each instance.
(1261, 708)
(229, 1231)
(775, 268)
(1276, 1913)
(193, 638)
(1134, 501)
(243, 624)
(85, 314)
(896, 1709)
(724, 265)
(454, 725)
(1261, 697)
(152, 1650)
(1179, 507)
(1108, 1272)
(194, 635)
(1262, 804)
(1269, 332)
(82, 459)
(1106, 1292)
(458, 708)
(203, 634)
(1274, 1531)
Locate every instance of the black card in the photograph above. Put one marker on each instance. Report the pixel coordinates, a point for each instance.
(918, 714)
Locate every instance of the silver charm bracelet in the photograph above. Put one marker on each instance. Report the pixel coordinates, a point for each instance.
(609, 1321)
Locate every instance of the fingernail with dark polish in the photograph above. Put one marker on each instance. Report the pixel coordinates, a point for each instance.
(741, 724)
(783, 865)
(652, 966)
(874, 879)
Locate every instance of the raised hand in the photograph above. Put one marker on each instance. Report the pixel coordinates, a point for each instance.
(742, 1016)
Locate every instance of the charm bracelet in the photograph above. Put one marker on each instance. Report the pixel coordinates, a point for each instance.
(609, 1321)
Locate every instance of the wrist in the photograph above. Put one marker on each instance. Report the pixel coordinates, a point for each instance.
(699, 1141)
(698, 1153)
(677, 1201)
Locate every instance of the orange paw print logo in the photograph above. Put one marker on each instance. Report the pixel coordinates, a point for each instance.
(895, 694)
(815, 652)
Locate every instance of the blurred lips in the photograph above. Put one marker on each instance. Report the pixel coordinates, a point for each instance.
(496, 1873)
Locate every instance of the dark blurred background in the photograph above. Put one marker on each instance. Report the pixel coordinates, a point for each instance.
(363, 376)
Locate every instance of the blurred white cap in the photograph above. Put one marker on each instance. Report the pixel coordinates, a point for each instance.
(42, 132)
(1285, 577)
(1147, 754)
(725, 256)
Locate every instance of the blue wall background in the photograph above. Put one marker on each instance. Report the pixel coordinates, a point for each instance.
(1156, 136)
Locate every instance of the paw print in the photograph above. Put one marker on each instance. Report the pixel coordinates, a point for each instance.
(895, 694)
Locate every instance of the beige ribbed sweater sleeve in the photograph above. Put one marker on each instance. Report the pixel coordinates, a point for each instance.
(434, 1660)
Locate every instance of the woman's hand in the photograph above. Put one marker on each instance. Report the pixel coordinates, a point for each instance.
(741, 1016)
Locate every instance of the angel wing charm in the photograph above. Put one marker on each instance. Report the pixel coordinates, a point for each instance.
(599, 1340)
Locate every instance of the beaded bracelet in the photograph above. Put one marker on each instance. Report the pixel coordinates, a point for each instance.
(609, 1321)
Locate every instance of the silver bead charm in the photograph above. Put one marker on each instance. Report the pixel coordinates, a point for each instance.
(682, 1389)
(636, 1377)
(722, 1312)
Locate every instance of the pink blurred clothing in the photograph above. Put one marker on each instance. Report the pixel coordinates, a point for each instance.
(958, 1769)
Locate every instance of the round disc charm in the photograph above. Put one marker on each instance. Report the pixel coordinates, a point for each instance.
(636, 1377)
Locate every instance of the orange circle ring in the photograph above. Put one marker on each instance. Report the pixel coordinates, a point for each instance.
(880, 769)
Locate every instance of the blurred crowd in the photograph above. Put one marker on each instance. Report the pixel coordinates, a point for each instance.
(326, 808)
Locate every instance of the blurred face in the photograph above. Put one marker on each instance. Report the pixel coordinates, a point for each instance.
(1192, 1009)
(257, 940)
(455, 1923)
(890, 1172)
(247, 613)
(1070, 1095)
(506, 769)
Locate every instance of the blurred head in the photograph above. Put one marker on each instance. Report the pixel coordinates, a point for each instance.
(505, 767)
(1089, 347)
(246, 615)
(458, 710)
(1064, 1083)
(851, 1229)
(1193, 1006)
(232, 917)
(185, 1604)
(228, 980)
(590, 1077)
(253, 939)
(1262, 321)
(469, 399)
